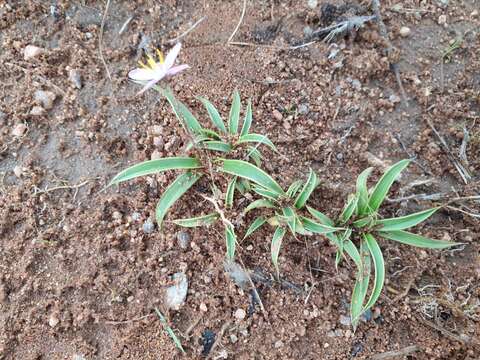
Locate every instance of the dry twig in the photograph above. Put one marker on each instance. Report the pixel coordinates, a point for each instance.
(100, 40)
(402, 352)
(239, 22)
(175, 39)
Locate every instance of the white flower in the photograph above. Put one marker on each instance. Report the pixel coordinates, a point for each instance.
(154, 71)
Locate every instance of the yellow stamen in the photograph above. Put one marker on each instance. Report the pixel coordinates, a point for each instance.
(151, 62)
(160, 57)
(142, 65)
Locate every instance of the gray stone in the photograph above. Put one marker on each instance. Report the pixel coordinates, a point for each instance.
(148, 226)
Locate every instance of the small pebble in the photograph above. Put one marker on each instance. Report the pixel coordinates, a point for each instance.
(53, 321)
(136, 216)
(303, 109)
(240, 314)
(307, 31)
(277, 115)
(157, 130)
(19, 130)
(18, 171)
(183, 239)
(345, 320)
(405, 31)
(176, 294)
(394, 98)
(148, 226)
(117, 215)
(442, 20)
(158, 142)
(156, 155)
(78, 357)
(37, 111)
(203, 307)
(75, 78)
(233, 338)
(278, 344)
(474, 13)
(312, 4)
(45, 98)
(31, 52)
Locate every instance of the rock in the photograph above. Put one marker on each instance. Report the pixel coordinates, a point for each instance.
(405, 31)
(156, 155)
(233, 338)
(303, 109)
(37, 111)
(3, 116)
(277, 115)
(474, 14)
(176, 294)
(136, 216)
(312, 4)
(183, 239)
(307, 31)
(203, 307)
(75, 78)
(53, 321)
(18, 171)
(117, 215)
(278, 344)
(78, 357)
(345, 320)
(394, 99)
(367, 316)
(157, 130)
(19, 130)
(239, 314)
(442, 20)
(45, 98)
(148, 226)
(236, 273)
(158, 142)
(32, 51)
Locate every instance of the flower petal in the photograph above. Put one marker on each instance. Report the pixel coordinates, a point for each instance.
(176, 69)
(148, 86)
(172, 55)
(141, 74)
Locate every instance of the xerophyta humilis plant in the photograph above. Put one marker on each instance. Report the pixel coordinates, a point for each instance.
(205, 146)
(361, 223)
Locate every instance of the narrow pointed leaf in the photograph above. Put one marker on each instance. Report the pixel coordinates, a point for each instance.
(214, 115)
(409, 238)
(362, 222)
(255, 155)
(247, 122)
(299, 228)
(324, 219)
(384, 184)
(352, 251)
(197, 221)
(170, 331)
(242, 185)
(276, 246)
(258, 139)
(251, 172)
(379, 267)
(234, 114)
(181, 112)
(307, 190)
(217, 146)
(342, 239)
(230, 241)
(260, 203)
(265, 193)
(349, 209)
(258, 222)
(361, 287)
(404, 222)
(230, 193)
(212, 135)
(156, 166)
(362, 192)
(317, 228)
(293, 188)
(173, 192)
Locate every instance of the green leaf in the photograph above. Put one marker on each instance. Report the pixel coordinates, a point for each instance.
(384, 184)
(404, 222)
(276, 246)
(242, 185)
(349, 209)
(290, 218)
(197, 221)
(409, 238)
(307, 190)
(181, 112)
(379, 267)
(260, 203)
(352, 251)
(341, 240)
(217, 146)
(256, 138)
(317, 228)
(214, 115)
(363, 222)
(255, 226)
(230, 192)
(173, 192)
(170, 331)
(230, 240)
(210, 134)
(155, 166)
(264, 192)
(362, 192)
(359, 292)
(255, 155)
(234, 114)
(324, 219)
(247, 122)
(251, 172)
(299, 227)
(293, 188)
